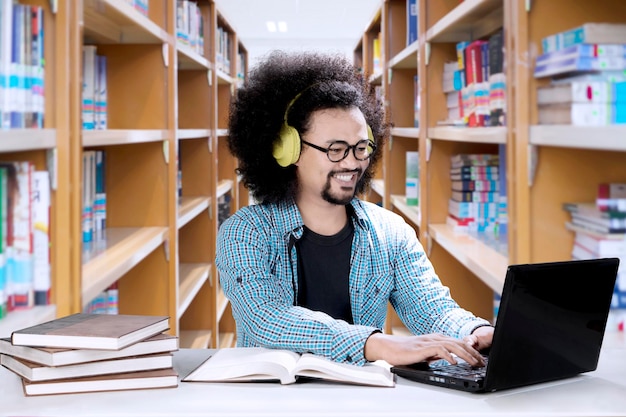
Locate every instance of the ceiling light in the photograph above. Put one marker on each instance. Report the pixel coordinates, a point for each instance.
(282, 26)
(271, 26)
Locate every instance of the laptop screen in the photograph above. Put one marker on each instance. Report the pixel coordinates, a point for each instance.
(551, 321)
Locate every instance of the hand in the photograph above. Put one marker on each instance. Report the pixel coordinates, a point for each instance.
(405, 350)
(480, 338)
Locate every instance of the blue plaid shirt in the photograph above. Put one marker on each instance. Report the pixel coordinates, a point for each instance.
(257, 264)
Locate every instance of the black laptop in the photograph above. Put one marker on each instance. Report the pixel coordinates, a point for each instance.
(550, 326)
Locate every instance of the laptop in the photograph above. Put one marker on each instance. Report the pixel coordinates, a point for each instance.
(550, 326)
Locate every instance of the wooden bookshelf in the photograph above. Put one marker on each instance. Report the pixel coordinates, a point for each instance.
(545, 165)
(166, 164)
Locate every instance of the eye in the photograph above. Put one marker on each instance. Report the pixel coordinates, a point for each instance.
(336, 149)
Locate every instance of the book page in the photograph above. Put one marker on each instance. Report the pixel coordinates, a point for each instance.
(376, 373)
(246, 364)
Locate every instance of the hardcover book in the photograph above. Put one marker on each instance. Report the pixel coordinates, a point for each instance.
(37, 372)
(91, 331)
(261, 364)
(602, 33)
(64, 356)
(160, 378)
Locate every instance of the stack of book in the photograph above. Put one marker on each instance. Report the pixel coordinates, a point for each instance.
(600, 232)
(92, 352)
(473, 204)
(588, 85)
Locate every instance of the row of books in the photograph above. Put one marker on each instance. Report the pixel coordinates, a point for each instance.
(24, 236)
(224, 46)
(106, 302)
(478, 202)
(475, 84)
(190, 25)
(94, 106)
(21, 66)
(600, 232)
(94, 211)
(92, 352)
(587, 67)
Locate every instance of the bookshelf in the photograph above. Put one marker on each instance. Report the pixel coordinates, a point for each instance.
(546, 165)
(166, 164)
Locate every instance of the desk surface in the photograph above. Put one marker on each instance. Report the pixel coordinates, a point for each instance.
(598, 393)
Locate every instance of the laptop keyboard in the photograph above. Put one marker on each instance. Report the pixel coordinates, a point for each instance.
(462, 370)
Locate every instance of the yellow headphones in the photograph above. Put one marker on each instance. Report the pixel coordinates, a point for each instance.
(287, 147)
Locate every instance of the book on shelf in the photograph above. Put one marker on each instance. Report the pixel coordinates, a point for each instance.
(475, 196)
(160, 378)
(599, 246)
(41, 237)
(36, 372)
(63, 356)
(580, 92)
(91, 331)
(262, 364)
(473, 160)
(611, 196)
(583, 51)
(605, 226)
(591, 33)
(592, 232)
(582, 114)
(412, 178)
(474, 185)
(592, 210)
(578, 64)
(411, 21)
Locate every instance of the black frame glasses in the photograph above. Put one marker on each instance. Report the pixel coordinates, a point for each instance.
(333, 152)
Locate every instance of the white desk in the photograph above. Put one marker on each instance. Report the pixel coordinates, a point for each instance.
(599, 393)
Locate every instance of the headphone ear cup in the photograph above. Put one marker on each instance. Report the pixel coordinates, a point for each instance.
(287, 148)
(370, 134)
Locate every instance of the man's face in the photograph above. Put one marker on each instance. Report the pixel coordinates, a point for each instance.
(321, 179)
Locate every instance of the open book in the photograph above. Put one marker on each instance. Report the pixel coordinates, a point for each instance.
(261, 364)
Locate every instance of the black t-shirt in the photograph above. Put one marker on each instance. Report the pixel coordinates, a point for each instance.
(323, 272)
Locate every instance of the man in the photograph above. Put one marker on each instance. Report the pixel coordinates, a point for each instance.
(312, 268)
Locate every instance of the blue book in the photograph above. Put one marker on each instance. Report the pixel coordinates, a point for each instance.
(411, 21)
(600, 33)
(582, 50)
(580, 64)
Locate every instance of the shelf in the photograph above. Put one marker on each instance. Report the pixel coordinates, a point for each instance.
(406, 132)
(20, 319)
(194, 339)
(222, 132)
(227, 340)
(485, 262)
(378, 186)
(108, 260)
(469, 134)
(188, 59)
(376, 78)
(193, 133)
(224, 186)
(190, 207)
(406, 59)
(605, 138)
(192, 278)
(115, 21)
(470, 20)
(224, 79)
(122, 136)
(18, 140)
(411, 212)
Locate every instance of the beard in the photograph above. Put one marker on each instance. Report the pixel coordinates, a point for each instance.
(344, 198)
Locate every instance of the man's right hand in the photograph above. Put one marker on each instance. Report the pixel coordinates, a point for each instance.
(405, 350)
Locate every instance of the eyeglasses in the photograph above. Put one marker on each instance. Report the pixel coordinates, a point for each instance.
(338, 151)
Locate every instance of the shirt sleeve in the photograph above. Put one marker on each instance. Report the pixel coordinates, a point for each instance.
(262, 299)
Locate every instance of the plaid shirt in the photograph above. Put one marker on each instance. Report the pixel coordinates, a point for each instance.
(257, 264)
